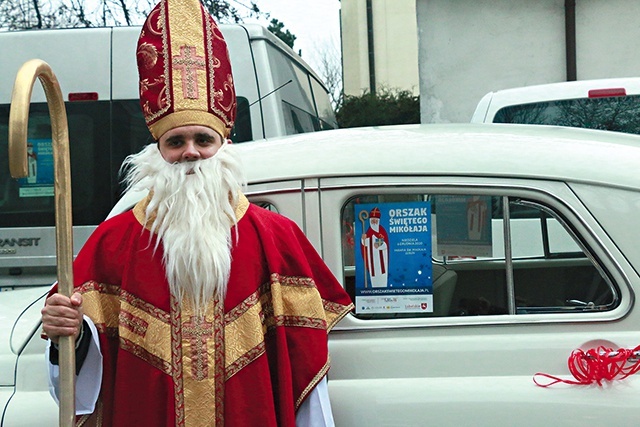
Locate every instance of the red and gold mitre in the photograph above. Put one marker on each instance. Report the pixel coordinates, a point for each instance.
(185, 71)
(375, 213)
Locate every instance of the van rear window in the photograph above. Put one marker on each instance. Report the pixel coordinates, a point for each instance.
(100, 136)
(621, 114)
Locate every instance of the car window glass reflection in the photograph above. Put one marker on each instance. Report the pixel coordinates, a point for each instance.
(474, 270)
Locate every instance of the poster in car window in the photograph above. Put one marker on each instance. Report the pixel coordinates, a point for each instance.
(463, 225)
(393, 258)
(39, 179)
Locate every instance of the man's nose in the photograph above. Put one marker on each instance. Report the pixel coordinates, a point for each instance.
(190, 152)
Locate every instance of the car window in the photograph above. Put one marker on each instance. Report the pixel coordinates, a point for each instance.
(267, 205)
(610, 113)
(432, 255)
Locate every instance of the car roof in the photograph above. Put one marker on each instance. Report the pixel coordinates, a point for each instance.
(561, 90)
(497, 150)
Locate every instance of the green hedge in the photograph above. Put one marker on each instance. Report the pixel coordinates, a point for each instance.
(385, 107)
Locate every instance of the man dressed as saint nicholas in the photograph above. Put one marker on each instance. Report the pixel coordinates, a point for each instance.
(375, 251)
(196, 307)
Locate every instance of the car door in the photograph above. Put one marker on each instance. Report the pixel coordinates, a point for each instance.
(284, 197)
(500, 306)
(23, 370)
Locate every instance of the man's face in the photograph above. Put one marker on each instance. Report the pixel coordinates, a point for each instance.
(189, 143)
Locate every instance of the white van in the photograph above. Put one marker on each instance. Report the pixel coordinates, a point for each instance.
(606, 104)
(278, 94)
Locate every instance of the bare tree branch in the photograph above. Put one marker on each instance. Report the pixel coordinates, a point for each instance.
(330, 70)
(125, 11)
(36, 7)
(27, 14)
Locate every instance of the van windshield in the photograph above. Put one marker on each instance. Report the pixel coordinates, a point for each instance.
(621, 114)
(101, 135)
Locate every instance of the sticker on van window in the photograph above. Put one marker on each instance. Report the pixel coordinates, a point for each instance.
(463, 226)
(393, 258)
(39, 179)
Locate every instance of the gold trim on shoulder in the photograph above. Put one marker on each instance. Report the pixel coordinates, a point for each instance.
(140, 212)
(242, 206)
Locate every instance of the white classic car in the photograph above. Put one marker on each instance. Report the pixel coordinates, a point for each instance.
(483, 261)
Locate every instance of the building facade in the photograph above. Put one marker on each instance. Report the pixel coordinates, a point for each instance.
(458, 50)
(379, 45)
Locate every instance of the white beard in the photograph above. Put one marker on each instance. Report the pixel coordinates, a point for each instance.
(194, 204)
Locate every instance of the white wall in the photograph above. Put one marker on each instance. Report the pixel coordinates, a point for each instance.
(608, 38)
(463, 49)
(355, 63)
(470, 47)
(395, 45)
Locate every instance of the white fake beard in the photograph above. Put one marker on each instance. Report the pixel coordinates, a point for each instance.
(194, 204)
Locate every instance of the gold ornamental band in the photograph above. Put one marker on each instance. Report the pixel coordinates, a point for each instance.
(187, 117)
(187, 29)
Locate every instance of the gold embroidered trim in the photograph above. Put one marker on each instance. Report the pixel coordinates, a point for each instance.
(186, 28)
(241, 308)
(334, 312)
(101, 303)
(166, 92)
(82, 420)
(244, 360)
(153, 360)
(143, 329)
(198, 340)
(188, 117)
(242, 206)
(140, 212)
(176, 359)
(149, 334)
(148, 308)
(94, 419)
(284, 301)
(133, 323)
(219, 357)
(295, 297)
(244, 334)
(312, 384)
(301, 322)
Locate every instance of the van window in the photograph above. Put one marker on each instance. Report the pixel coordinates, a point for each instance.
(242, 130)
(29, 201)
(447, 255)
(297, 120)
(327, 119)
(620, 114)
(298, 103)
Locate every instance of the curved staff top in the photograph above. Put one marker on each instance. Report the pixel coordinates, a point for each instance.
(18, 125)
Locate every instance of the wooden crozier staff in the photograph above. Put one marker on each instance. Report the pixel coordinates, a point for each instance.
(364, 215)
(18, 124)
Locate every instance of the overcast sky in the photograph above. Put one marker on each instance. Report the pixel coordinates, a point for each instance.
(315, 23)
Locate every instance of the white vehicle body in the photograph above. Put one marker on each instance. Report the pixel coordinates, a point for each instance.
(278, 94)
(103, 61)
(495, 107)
(454, 366)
